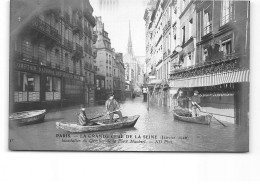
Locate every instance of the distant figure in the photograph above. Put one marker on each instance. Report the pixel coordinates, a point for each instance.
(112, 107)
(82, 118)
(195, 100)
(180, 99)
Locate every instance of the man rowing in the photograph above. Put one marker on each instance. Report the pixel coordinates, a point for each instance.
(112, 107)
(195, 100)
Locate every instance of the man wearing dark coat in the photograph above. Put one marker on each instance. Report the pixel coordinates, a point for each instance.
(112, 107)
(82, 118)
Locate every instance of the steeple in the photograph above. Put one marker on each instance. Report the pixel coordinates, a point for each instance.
(130, 46)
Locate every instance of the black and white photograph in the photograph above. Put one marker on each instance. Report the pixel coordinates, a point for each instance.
(129, 76)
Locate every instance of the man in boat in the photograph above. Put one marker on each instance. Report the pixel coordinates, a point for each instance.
(82, 117)
(195, 100)
(112, 107)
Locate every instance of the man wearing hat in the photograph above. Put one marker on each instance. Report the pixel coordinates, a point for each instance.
(82, 117)
(112, 107)
(195, 100)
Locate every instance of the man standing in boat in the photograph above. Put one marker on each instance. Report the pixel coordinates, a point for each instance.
(112, 107)
(195, 100)
(82, 117)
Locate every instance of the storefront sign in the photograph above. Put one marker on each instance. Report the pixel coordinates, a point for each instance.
(42, 69)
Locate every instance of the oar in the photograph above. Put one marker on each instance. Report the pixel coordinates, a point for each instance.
(199, 107)
(104, 114)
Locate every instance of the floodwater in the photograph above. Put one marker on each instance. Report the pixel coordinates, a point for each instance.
(156, 130)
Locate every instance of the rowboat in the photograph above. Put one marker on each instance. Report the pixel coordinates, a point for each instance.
(185, 115)
(98, 125)
(28, 117)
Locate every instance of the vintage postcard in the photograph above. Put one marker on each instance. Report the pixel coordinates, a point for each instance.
(129, 75)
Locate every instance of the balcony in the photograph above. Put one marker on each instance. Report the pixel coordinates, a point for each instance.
(167, 25)
(226, 19)
(227, 63)
(207, 29)
(89, 17)
(68, 44)
(77, 26)
(46, 29)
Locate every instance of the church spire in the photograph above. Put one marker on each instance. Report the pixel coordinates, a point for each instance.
(129, 46)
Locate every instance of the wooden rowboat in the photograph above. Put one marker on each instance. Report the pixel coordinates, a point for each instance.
(99, 125)
(184, 115)
(28, 117)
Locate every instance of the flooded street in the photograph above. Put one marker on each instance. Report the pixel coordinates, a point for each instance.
(156, 130)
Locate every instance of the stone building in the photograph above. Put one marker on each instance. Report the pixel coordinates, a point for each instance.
(51, 59)
(208, 52)
(104, 59)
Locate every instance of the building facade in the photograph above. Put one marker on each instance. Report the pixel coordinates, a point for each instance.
(51, 54)
(104, 59)
(207, 46)
(121, 75)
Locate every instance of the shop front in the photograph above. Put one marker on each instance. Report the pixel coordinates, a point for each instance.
(224, 94)
(37, 87)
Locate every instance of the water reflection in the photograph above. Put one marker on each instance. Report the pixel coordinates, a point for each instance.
(158, 121)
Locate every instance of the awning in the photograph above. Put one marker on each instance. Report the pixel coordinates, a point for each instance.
(212, 79)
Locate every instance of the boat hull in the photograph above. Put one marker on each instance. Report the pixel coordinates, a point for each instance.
(28, 117)
(203, 119)
(75, 128)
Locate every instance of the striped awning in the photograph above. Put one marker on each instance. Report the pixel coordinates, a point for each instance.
(212, 79)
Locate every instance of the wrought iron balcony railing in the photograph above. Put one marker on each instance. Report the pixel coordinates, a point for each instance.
(167, 25)
(207, 29)
(89, 17)
(37, 60)
(229, 62)
(45, 28)
(227, 18)
(77, 26)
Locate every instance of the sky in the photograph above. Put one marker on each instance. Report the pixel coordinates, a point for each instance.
(116, 18)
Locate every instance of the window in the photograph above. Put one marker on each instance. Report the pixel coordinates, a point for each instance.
(227, 11)
(190, 27)
(27, 87)
(227, 47)
(207, 21)
(57, 56)
(183, 35)
(205, 54)
(189, 59)
(27, 50)
(66, 60)
(102, 83)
